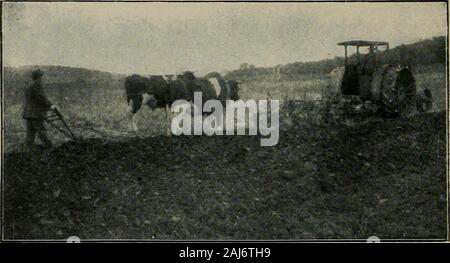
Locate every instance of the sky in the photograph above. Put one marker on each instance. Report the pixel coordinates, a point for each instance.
(162, 38)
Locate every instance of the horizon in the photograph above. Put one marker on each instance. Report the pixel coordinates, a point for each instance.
(202, 37)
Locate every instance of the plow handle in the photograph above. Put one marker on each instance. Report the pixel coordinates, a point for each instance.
(60, 117)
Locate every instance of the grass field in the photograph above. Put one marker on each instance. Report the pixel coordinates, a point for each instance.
(385, 178)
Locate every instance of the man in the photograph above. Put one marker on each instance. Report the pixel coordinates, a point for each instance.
(424, 101)
(35, 110)
(368, 66)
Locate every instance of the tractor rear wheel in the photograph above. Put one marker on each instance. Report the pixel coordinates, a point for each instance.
(398, 91)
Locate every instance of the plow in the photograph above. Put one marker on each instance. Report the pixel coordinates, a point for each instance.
(56, 117)
(56, 120)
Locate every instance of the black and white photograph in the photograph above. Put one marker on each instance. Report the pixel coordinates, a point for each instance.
(224, 121)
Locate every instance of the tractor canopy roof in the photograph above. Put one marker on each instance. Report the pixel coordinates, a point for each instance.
(363, 43)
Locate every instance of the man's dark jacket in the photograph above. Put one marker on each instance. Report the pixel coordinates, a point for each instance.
(36, 103)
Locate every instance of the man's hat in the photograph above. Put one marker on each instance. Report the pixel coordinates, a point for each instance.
(37, 73)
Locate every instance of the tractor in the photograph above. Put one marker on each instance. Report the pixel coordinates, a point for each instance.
(366, 85)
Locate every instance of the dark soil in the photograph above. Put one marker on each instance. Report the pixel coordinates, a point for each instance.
(318, 182)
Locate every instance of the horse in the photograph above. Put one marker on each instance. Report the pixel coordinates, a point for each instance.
(156, 91)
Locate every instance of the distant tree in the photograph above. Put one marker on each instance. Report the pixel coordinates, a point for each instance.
(246, 66)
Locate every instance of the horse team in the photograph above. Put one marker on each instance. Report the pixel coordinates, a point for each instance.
(161, 91)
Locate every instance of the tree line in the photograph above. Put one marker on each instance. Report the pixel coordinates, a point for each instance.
(425, 52)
